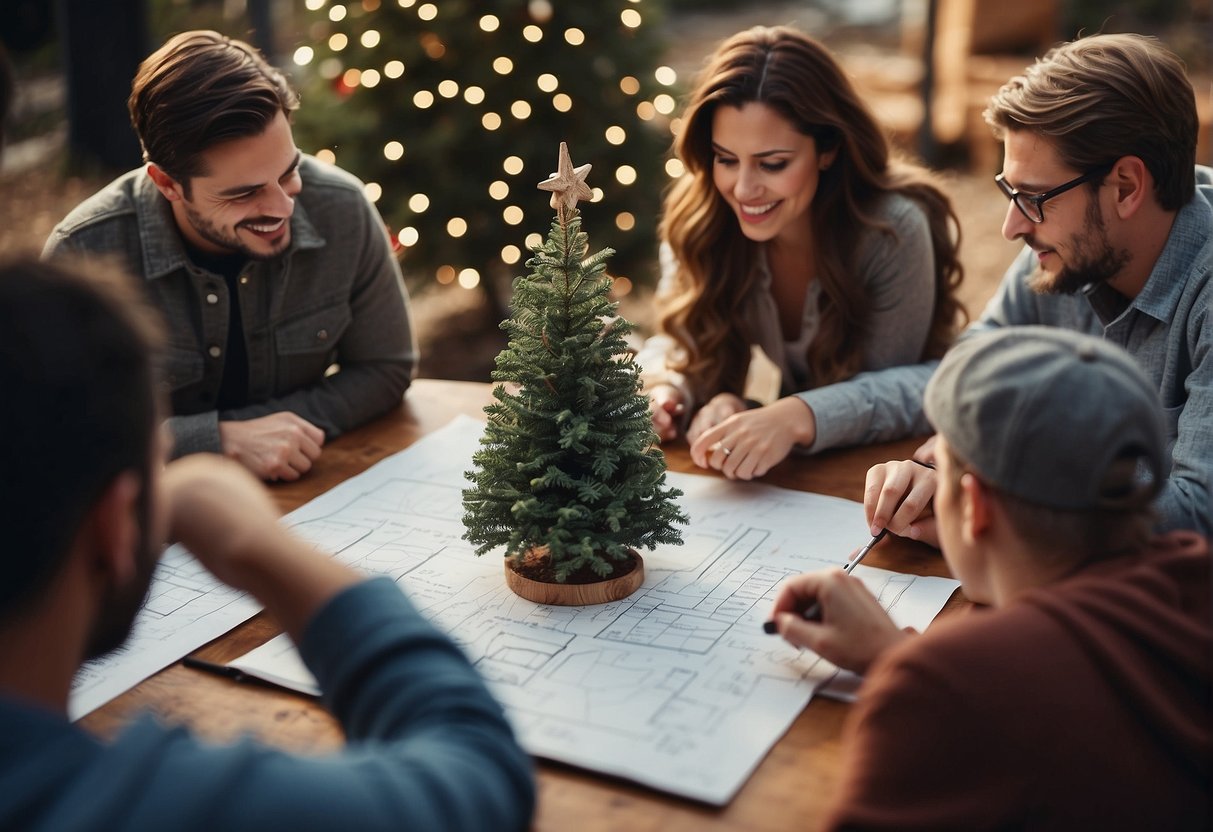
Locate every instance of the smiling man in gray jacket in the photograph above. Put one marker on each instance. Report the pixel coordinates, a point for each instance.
(287, 316)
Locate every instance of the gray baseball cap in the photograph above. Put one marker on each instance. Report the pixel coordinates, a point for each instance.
(1052, 417)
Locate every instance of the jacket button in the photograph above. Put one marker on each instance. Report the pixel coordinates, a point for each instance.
(214, 351)
(322, 335)
(212, 298)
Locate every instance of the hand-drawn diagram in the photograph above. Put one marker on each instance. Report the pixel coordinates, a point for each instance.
(676, 686)
(185, 608)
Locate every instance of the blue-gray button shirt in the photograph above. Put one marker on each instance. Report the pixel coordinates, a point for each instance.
(326, 323)
(1167, 328)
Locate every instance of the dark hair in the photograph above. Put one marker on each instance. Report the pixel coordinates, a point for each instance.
(1104, 97)
(200, 89)
(76, 368)
(797, 77)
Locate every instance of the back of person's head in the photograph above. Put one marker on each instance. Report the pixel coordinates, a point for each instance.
(1105, 97)
(76, 368)
(200, 89)
(1064, 428)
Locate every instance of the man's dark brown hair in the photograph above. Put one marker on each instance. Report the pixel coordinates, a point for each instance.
(198, 90)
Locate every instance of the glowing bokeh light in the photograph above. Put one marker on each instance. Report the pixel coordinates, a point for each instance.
(512, 165)
(625, 174)
(392, 151)
(665, 75)
(489, 23)
(499, 189)
(512, 214)
(418, 203)
(547, 82)
(369, 39)
(574, 36)
(457, 226)
(373, 191)
(630, 18)
(448, 88)
(503, 65)
(629, 85)
(303, 56)
(393, 69)
(675, 168)
(423, 99)
(490, 121)
(625, 221)
(473, 94)
(469, 278)
(562, 102)
(408, 236)
(616, 134)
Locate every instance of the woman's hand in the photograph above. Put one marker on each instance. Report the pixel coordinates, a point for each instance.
(748, 443)
(666, 405)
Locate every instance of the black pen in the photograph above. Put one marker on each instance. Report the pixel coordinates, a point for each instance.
(218, 669)
(814, 612)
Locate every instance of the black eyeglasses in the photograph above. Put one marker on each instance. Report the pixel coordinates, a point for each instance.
(1032, 206)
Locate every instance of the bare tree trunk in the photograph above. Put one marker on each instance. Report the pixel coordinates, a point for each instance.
(102, 45)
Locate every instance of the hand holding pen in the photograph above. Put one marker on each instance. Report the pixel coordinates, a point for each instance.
(848, 626)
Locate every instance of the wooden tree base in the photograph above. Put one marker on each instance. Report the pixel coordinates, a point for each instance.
(575, 595)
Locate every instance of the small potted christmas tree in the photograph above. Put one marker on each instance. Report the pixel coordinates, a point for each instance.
(569, 477)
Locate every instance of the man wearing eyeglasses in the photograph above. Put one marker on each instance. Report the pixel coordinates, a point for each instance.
(1117, 220)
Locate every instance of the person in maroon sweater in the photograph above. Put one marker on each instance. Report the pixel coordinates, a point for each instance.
(1078, 696)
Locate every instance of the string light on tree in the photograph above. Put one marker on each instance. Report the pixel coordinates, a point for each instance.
(443, 111)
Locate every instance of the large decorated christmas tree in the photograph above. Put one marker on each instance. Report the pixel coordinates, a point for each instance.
(569, 465)
(448, 110)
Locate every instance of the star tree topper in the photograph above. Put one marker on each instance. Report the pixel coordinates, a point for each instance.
(567, 184)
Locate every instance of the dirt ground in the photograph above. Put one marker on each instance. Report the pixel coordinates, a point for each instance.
(459, 338)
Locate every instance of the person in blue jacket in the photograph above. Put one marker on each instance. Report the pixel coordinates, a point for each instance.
(86, 503)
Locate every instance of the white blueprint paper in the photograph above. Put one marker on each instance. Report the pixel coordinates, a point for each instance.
(675, 687)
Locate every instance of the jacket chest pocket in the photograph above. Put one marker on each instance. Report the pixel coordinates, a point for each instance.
(305, 347)
(183, 368)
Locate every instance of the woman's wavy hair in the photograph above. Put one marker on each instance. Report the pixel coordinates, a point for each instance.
(796, 76)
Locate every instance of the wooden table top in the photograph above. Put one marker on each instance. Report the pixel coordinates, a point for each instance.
(790, 788)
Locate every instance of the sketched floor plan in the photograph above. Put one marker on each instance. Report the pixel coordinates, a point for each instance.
(676, 686)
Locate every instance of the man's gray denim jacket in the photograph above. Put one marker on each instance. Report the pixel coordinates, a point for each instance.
(1167, 328)
(333, 299)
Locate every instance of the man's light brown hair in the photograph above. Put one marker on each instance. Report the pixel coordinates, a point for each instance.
(1105, 97)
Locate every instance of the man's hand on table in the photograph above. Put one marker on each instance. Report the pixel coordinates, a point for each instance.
(280, 446)
(853, 630)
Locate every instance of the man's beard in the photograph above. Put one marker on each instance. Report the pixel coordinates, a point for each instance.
(121, 604)
(212, 234)
(1095, 259)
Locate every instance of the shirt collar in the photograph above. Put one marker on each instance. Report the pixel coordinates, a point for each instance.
(163, 249)
(1189, 237)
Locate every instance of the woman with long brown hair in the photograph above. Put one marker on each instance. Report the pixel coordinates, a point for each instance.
(796, 254)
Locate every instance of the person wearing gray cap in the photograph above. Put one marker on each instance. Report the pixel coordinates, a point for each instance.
(1117, 224)
(1082, 699)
